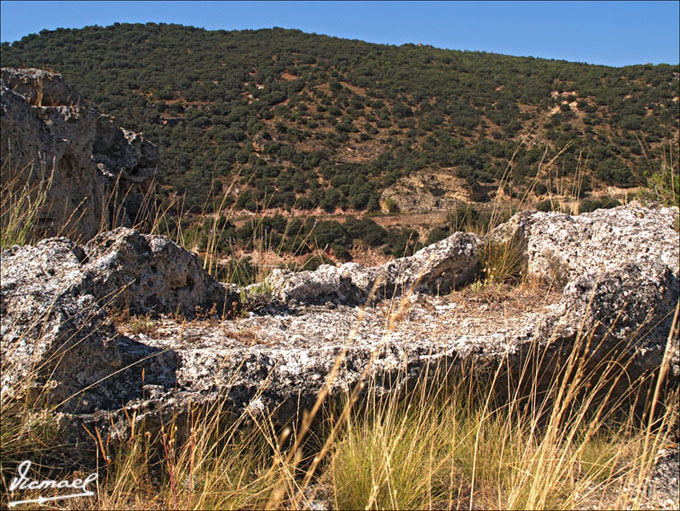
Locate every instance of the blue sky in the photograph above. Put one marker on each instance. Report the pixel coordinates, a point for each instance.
(610, 33)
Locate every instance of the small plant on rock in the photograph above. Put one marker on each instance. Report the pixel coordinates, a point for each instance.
(501, 262)
(143, 325)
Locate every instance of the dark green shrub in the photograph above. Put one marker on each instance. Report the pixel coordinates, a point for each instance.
(328, 233)
(540, 189)
(436, 235)
(341, 252)
(314, 261)
(403, 243)
(547, 205)
(588, 205)
(366, 230)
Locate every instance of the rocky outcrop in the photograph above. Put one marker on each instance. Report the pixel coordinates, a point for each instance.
(57, 299)
(620, 292)
(556, 245)
(98, 173)
(619, 268)
(436, 269)
(151, 274)
(426, 191)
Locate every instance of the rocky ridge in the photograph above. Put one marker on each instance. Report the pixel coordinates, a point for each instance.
(99, 173)
(428, 191)
(58, 299)
(438, 268)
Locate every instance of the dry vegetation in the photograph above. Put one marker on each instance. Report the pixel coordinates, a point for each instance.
(452, 441)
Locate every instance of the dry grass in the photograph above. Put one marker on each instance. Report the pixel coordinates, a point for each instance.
(560, 446)
(21, 203)
(461, 438)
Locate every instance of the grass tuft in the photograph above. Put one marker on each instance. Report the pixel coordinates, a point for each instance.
(502, 262)
(22, 199)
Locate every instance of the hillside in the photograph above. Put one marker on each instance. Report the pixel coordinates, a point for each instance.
(285, 121)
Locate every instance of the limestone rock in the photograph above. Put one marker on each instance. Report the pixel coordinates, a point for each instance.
(594, 243)
(99, 173)
(621, 297)
(41, 88)
(50, 332)
(145, 273)
(664, 490)
(619, 268)
(56, 301)
(427, 190)
(438, 268)
(325, 283)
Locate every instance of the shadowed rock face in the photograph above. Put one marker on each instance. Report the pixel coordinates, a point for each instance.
(621, 287)
(99, 172)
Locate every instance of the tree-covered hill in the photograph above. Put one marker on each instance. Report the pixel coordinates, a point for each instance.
(296, 120)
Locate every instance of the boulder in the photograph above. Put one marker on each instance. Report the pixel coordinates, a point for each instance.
(619, 268)
(97, 175)
(53, 337)
(41, 88)
(57, 299)
(151, 274)
(438, 268)
(556, 245)
(327, 283)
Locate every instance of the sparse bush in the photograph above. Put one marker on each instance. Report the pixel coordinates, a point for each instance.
(391, 205)
(436, 235)
(663, 185)
(145, 324)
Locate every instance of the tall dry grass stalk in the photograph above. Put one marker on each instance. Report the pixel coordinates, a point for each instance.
(22, 198)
